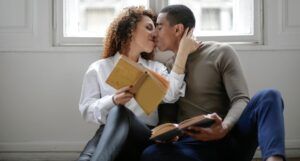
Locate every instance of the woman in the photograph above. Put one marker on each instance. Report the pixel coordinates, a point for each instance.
(124, 127)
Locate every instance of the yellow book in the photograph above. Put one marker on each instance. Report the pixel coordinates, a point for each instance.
(149, 87)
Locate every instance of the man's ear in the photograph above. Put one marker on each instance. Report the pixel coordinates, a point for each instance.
(179, 29)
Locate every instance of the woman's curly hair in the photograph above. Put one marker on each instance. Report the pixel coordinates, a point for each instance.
(120, 31)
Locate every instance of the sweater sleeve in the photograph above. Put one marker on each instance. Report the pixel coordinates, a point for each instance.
(235, 84)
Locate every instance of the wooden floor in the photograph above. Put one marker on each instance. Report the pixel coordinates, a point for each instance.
(54, 156)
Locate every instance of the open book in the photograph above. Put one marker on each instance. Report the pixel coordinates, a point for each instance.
(149, 87)
(168, 131)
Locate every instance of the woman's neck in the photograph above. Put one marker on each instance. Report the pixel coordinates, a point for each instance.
(133, 54)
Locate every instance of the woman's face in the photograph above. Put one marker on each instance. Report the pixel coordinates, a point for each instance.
(143, 36)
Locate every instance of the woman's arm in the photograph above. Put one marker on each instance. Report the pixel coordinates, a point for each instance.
(187, 46)
(92, 105)
(176, 76)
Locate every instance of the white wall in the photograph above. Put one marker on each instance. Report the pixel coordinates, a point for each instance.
(40, 84)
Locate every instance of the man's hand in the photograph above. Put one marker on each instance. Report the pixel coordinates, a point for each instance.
(123, 95)
(176, 138)
(215, 132)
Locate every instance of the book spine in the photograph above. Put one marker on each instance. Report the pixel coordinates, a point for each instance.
(139, 82)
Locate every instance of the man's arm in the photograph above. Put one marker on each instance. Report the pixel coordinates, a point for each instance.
(237, 91)
(235, 85)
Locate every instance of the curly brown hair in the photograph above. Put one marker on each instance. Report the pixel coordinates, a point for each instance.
(121, 29)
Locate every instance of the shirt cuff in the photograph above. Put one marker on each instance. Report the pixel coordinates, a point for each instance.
(106, 105)
(178, 77)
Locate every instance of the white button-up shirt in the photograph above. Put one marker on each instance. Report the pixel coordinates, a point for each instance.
(96, 95)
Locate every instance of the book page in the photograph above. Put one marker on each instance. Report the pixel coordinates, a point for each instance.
(160, 78)
(163, 129)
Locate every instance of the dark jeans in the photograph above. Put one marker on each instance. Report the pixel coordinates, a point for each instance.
(123, 137)
(261, 124)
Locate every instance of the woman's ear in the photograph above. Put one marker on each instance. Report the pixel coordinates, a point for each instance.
(179, 29)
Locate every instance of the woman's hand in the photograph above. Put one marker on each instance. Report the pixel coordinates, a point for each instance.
(123, 95)
(215, 132)
(187, 43)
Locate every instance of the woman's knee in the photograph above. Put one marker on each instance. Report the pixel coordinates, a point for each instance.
(118, 111)
(118, 114)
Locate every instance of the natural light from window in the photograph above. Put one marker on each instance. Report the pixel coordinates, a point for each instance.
(221, 17)
(226, 20)
(90, 18)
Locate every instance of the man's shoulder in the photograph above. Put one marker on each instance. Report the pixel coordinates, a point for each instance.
(213, 48)
(216, 46)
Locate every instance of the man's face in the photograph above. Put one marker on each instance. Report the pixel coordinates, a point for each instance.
(165, 33)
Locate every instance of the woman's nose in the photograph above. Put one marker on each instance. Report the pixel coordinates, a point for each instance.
(154, 33)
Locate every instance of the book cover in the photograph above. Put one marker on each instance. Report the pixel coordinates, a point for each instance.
(168, 131)
(149, 87)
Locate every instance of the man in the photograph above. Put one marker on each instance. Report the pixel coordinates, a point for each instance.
(215, 84)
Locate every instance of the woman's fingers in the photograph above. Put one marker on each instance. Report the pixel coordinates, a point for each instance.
(122, 97)
(186, 32)
(124, 89)
(190, 33)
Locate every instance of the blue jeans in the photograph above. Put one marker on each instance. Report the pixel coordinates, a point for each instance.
(261, 123)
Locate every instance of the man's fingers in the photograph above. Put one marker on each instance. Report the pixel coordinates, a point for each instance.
(198, 136)
(216, 117)
(194, 128)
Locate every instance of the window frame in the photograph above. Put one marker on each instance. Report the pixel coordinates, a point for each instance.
(156, 5)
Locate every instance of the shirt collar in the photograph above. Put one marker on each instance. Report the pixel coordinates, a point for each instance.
(141, 60)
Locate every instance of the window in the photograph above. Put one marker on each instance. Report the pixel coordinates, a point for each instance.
(86, 21)
(226, 20)
(90, 18)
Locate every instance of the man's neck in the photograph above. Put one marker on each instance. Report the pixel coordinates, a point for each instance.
(175, 48)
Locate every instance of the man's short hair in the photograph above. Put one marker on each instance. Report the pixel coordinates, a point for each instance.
(177, 14)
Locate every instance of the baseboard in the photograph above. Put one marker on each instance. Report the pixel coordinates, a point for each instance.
(41, 151)
(69, 151)
(42, 146)
(292, 149)
(39, 156)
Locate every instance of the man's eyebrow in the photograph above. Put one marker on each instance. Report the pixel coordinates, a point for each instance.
(158, 24)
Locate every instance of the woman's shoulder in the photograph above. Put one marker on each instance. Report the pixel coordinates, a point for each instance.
(101, 63)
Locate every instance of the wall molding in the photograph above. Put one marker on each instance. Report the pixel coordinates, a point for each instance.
(286, 26)
(27, 26)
